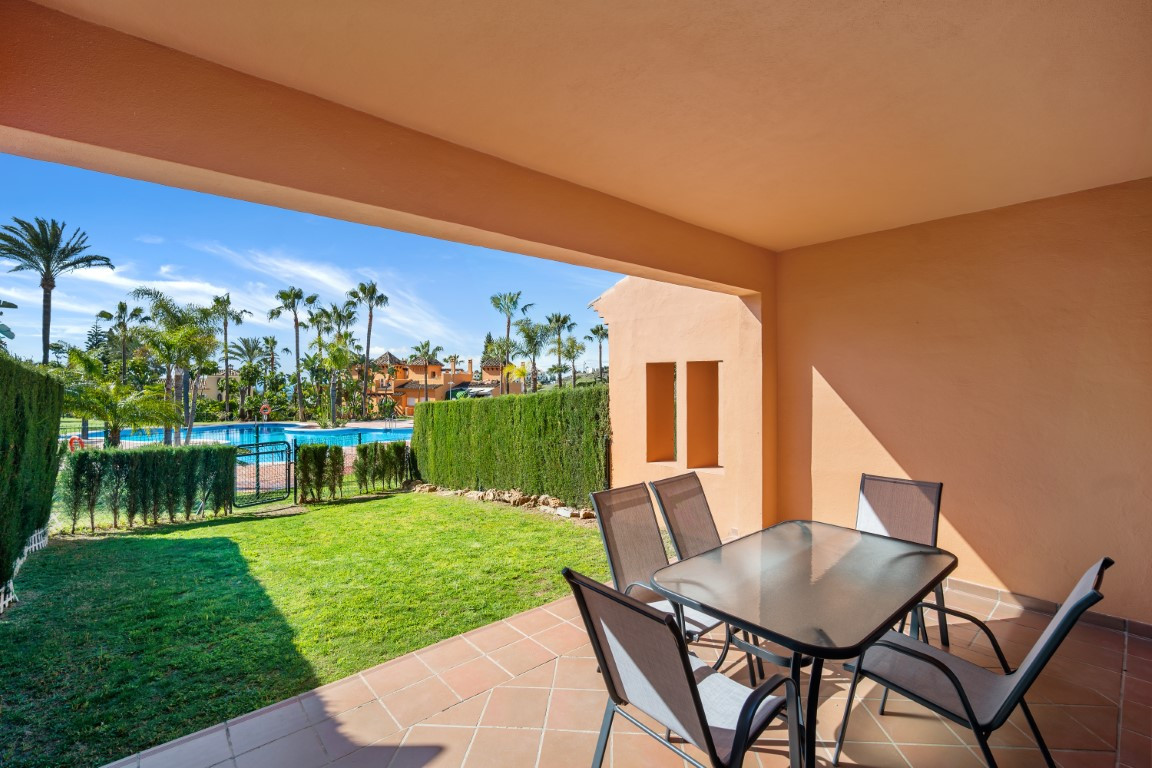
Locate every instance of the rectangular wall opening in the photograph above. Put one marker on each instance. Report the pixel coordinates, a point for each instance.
(661, 411)
(703, 406)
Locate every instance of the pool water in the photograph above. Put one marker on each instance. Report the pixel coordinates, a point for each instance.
(245, 434)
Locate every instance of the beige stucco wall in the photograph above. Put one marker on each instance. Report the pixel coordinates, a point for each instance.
(653, 322)
(1007, 354)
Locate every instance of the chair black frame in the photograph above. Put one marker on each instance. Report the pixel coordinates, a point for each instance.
(936, 490)
(1015, 697)
(743, 738)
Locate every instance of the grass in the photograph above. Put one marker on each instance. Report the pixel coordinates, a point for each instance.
(126, 640)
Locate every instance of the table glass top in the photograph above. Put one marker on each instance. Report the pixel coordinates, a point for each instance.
(813, 587)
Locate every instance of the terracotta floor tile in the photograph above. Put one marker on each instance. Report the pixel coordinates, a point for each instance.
(935, 756)
(1138, 691)
(581, 652)
(494, 636)
(563, 749)
(1139, 646)
(862, 726)
(516, 708)
(298, 750)
(577, 710)
(396, 674)
(1061, 731)
(565, 609)
(198, 750)
(377, 755)
(1101, 721)
(640, 749)
(337, 697)
(535, 621)
(1138, 718)
(906, 722)
(431, 746)
(475, 676)
(1135, 750)
(259, 728)
(1084, 759)
(1139, 667)
(562, 638)
(501, 747)
(419, 701)
(448, 654)
(578, 673)
(521, 656)
(356, 728)
(1018, 758)
(538, 677)
(465, 713)
(870, 755)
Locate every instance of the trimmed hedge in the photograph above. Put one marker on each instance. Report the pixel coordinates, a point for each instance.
(146, 483)
(553, 442)
(386, 464)
(319, 467)
(30, 407)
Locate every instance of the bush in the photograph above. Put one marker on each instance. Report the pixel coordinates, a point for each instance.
(381, 465)
(30, 408)
(554, 442)
(144, 481)
(311, 463)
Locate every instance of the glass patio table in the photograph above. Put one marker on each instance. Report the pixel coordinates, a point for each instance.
(818, 590)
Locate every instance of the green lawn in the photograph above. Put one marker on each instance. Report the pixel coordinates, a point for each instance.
(127, 640)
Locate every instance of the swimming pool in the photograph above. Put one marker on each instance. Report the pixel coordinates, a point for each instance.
(245, 434)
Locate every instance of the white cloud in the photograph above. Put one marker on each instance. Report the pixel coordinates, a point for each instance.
(150, 239)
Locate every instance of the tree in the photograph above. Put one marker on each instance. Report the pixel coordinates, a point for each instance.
(519, 372)
(573, 348)
(533, 337)
(342, 317)
(293, 300)
(5, 331)
(124, 323)
(368, 295)
(424, 351)
(598, 334)
(507, 304)
(249, 352)
(88, 393)
(559, 324)
(42, 248)
(269, 357)
(222, 311)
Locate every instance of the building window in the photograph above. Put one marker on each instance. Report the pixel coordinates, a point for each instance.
(703, 407)
(661, 410)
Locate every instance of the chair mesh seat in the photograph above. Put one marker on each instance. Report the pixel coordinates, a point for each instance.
(986, 690)
(722, 699)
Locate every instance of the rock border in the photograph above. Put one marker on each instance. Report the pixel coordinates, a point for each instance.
(515, 498)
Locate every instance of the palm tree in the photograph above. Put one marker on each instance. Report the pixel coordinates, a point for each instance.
(507, 304)
(573, 348)
(342, 316)
(124, 321)
(426, 352)
(558, 323)
(88, 393)
(222, 311)
(41, 248)
(368, 295)
(249, 352)
(292, 299)
(519, 372)
(532, 339)
(270, 357)
(598, 334)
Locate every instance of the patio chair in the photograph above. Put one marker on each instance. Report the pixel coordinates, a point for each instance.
(963, 692)
(903, 509)
(635, 550)
(646, 664)
(686, 513)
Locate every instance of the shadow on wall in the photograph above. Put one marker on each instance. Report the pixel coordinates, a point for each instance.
(128, 642)
(1004, 354)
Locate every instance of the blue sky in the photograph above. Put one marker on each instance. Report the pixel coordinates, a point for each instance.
(194, 246)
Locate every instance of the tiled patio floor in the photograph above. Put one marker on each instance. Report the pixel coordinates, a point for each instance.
(525, 692)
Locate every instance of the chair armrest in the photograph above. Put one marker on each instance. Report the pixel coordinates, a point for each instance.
(939, 666)
(979, 625)
(743, 737)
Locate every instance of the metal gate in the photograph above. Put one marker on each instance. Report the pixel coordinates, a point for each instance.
(263, 473)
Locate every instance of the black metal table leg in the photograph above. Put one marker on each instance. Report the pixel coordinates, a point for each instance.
(810, 706)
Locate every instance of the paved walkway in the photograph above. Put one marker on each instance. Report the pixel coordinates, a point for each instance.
(525, 692)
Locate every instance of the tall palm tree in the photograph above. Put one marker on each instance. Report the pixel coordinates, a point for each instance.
(124, 321)
(342, 317)
(42, 248)
(559, 324)
(533, 337)
(368, 295)
(573, 348)
(270, 358)
(221, 310)
(507, 304)
(249, 353)
(598, 334)
(427, 353)
(293, 300)
(88, 392)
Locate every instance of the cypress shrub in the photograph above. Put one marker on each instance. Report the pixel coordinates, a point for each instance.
(30, 407)
(553, 442)
(116, 485)
(362, 466)
(311, 469)
(334, 470)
